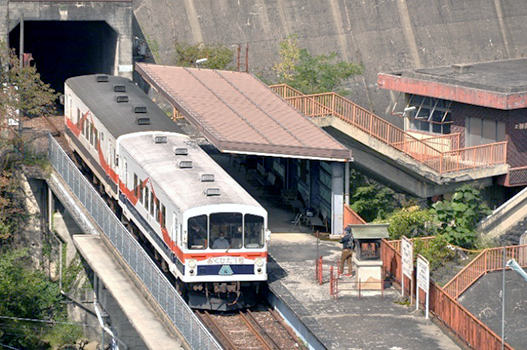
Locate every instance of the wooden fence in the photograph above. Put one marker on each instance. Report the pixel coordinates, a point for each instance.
(444, 307)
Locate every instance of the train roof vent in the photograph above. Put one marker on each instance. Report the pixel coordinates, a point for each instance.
(180, 151)
(121, 98)
(206, 177)
(119, 88)
(212, 192)
(102, 78)
(160, 139)
(143, 121)
(139, 109)
(184, 164)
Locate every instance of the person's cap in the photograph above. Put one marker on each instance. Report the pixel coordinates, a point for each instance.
(348, 229)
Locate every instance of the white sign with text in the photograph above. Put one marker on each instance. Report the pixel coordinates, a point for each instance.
(407, 254)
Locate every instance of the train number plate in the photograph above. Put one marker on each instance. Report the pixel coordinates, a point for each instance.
(225, 260)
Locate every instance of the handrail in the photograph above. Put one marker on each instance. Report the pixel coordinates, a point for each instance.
(487, 261)
(421, 150)
(446, 308)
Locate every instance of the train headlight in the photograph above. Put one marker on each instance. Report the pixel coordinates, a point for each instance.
(192, 263)
(259, 262)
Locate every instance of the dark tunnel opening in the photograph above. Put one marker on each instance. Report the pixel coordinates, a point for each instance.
(65, 49)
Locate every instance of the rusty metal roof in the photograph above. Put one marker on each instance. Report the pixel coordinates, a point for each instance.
(237, 113)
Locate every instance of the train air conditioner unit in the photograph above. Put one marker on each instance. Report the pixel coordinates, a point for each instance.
(102, 78)
(139, 109)
(184, 164)
(143, 121)
(119, 88)
(212, 192)
(160, 139)
(206, 177)
(180, 151)
(121, 99)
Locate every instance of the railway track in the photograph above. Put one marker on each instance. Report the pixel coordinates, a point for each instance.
(260, 329)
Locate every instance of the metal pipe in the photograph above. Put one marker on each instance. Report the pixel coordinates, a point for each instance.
(503, 303)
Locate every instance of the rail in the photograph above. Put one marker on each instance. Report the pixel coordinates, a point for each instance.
(487, 261)
(164, 293)
(430, 152)
(351, 217)
(446, 308)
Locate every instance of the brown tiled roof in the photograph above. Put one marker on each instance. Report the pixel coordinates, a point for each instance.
(239, 114)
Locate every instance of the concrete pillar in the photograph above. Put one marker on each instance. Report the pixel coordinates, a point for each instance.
(337, 198)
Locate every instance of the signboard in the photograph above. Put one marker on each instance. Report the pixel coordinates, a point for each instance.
(407, 255)
(423, 273)
(423, 280)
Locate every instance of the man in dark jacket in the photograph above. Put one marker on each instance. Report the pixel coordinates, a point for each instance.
(348, 244)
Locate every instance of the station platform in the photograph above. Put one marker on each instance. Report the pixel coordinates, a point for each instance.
(370, 321)
(348, 322)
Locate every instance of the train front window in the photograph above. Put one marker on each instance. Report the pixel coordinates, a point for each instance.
(197, 232)
(254, 231)
(226, 231)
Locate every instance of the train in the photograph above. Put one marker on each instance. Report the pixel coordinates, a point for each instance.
(204, 227)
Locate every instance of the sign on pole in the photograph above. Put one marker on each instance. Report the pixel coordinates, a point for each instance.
(407, 257)
(423, 280)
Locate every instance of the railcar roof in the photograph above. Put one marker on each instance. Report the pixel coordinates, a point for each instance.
(119, 118)
(183, 186)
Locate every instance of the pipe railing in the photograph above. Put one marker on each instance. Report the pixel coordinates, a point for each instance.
(488, 261)
(432, 152)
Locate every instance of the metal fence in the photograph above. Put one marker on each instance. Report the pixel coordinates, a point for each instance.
(197, 336)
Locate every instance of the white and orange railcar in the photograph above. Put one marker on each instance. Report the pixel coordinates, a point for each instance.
(172, 191)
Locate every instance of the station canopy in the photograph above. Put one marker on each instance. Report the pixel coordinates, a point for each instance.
(238, 113)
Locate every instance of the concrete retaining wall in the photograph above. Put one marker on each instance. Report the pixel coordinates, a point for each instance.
(384, 35)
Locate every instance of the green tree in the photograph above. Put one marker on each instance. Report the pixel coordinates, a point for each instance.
(410, 222)
(11, 209)
(459, 217)
(27, 296)
(23, 90)
(311, 74)
(436, 252)
(218, 55)
(373, 201)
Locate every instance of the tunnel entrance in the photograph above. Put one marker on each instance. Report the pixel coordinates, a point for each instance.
(63, 49)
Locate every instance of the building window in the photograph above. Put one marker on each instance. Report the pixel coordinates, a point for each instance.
(429, 114)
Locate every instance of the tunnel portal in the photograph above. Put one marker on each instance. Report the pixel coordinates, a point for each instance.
(62, 49)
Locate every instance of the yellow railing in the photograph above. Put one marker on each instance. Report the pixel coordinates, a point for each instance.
(432, 152)
(489, 260)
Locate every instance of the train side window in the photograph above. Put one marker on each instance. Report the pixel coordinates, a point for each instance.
(151, 205)
(79, 117)
(254, 231)
(135, 190)
(157, 210)
(163, 216)
(146, 200)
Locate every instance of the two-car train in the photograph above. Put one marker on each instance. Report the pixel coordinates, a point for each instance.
(209, 232)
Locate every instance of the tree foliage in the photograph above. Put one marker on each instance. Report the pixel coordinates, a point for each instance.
(218, 55)
(11, 209)
(459, 217)
(27, 296)
(436, 252)
(410, 222)
(23, 90)
(311, 74)
(373, 201)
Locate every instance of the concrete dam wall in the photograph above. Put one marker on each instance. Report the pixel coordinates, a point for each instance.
(383, 35)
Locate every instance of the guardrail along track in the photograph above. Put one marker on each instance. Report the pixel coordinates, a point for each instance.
(260, 329)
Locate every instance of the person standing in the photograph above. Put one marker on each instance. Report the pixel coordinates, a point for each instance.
(348, 244)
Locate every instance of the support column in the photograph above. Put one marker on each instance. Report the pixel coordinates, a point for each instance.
(337, 198)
